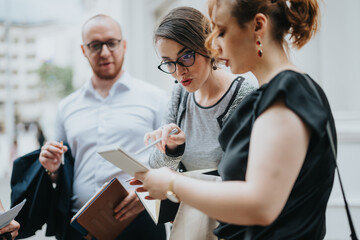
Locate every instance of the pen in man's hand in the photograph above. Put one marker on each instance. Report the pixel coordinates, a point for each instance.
(62, 155)
(155, 142)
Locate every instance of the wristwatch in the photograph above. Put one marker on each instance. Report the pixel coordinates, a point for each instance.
(170, 194)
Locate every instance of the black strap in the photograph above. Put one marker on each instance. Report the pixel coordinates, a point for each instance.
(182, 105)
(331, 140)
(220, 119)
(180, 114)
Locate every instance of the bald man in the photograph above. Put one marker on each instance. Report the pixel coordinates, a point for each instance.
(112, 107)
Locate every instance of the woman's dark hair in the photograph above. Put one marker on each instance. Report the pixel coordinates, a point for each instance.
(299, 18)
(186, 26)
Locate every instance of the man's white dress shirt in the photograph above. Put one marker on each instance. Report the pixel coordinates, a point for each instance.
(86, 121)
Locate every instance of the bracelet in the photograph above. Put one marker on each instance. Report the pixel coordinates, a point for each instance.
(51, 174)
(170, 192)
(171, 183)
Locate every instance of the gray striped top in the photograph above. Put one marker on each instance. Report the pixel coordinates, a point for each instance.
(202, 126)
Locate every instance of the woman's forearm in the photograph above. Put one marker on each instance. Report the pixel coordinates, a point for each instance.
(231, 201)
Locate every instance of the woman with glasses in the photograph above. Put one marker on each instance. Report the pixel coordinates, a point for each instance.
(203, 98)
(201, 101)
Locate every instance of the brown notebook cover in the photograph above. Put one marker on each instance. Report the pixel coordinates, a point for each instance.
(95, 220)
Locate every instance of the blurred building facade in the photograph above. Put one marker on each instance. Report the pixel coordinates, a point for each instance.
(23, 66)
(331, 59)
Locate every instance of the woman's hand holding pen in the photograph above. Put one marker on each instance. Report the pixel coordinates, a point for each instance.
(50, 156)
(172, 141)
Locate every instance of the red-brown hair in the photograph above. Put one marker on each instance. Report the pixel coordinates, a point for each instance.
(299, 18)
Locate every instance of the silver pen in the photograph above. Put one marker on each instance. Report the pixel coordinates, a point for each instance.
(129, 179)
(154, 142)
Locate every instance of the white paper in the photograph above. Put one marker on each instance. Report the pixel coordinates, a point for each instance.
(7, 216)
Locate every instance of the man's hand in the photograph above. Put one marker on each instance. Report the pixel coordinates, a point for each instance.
(128, 207)
(50, 155)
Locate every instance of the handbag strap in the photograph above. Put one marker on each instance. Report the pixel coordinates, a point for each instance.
(331, 140)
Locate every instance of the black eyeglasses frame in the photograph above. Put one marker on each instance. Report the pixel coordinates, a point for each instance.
(102, 44)
(177, 62)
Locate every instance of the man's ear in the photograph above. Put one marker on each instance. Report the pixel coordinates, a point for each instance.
(124, 42)
(83, 50)
(261, 23)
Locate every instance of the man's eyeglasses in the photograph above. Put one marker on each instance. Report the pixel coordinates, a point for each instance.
(96, 46)
(186, 60)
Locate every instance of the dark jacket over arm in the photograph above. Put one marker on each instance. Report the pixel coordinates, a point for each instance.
(45, 204)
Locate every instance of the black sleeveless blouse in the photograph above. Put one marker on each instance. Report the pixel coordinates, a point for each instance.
(303, 216)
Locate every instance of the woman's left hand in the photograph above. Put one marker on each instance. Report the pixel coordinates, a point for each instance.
(155, 181)
(12, 228)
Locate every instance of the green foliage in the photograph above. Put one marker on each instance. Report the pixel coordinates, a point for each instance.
(56, 80)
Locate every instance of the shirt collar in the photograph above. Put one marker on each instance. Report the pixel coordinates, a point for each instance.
(124, 83)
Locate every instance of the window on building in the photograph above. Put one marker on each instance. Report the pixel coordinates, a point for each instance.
(30, 56)
(30, 40)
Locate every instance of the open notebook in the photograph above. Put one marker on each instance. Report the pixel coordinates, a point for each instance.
(161, 211)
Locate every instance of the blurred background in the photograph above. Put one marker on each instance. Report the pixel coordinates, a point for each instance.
(41, 62)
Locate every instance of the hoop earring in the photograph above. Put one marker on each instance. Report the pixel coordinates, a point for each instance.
(260, 51)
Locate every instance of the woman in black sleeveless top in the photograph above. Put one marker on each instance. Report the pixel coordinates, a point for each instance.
(277, 166)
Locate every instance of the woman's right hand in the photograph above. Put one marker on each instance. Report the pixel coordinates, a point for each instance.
(172, 141)
(50, 155)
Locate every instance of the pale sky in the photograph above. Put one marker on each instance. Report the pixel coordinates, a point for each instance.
(34, 11)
